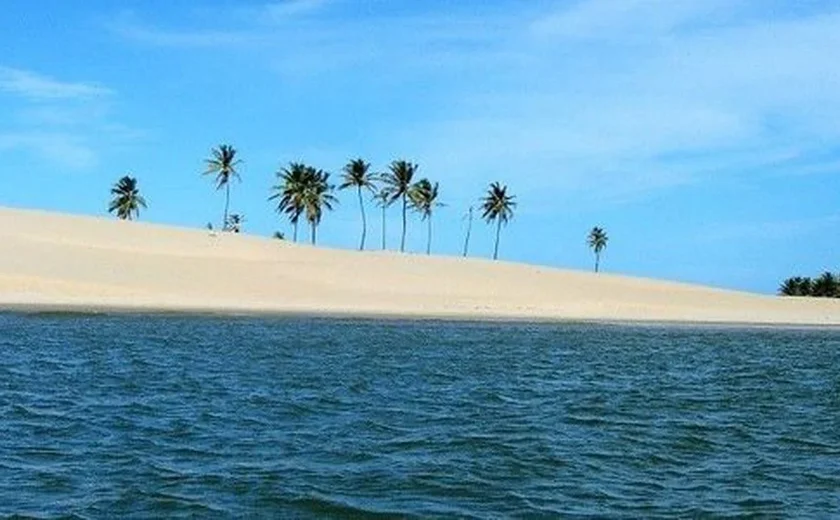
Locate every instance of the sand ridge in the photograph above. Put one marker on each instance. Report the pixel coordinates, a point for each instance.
(57, 261)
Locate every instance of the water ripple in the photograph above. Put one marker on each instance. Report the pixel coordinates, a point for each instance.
(163, 416)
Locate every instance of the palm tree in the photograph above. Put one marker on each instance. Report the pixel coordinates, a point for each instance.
(223, 165)
(796, 286)
(424, 198)
(289, 193)
(234, 223)
(398, 181)
(469, 218)
(317, 196)
(127, 200)
(357, 175)
(497, 205)
(383, 200)
(826, 285)
(597, 241)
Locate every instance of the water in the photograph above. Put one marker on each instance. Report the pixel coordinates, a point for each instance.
(114, 416)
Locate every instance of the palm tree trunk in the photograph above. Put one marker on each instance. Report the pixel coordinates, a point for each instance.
(404, 208)
(429, 238)
(498, 231)
(469, 231)
(227, 205)
(314, 227)
(294, 234)
(364, 220)
(383, 226)
(597, 261)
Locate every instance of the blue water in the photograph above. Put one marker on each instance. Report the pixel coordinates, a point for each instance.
(156, 416)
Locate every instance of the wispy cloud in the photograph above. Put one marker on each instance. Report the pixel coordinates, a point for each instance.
(598, 98)
(54, 120)
(65, 149)
(43, 88)
(287, 8)
(768, 230)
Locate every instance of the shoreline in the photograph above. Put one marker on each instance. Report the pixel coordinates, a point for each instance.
(50, 262)
(94, 310)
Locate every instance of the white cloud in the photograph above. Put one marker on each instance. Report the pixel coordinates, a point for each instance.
(42, 88)
(60, 148)
(54, 120)
(620, 19)
(768, 230)
(606, 98)
(287, 8)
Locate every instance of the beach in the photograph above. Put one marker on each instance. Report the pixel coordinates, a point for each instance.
(51, 261)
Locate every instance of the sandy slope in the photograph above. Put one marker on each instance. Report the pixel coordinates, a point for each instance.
(66, 262)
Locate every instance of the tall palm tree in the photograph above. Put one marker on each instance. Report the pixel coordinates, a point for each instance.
(383, 200)
(469, 217)
(289, 193)
(497, 206)
(317, 196)
(597, 241)
(127, 200)
(424, 198)
(222, 164)
(398, 180)
(357, 175)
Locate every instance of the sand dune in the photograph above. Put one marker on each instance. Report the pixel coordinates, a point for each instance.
(55, 261)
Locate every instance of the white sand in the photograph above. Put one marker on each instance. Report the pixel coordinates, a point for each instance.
(64, 262)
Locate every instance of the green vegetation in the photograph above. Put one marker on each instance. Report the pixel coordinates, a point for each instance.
(398, 181)
(357, 175)
(288, 193)
(317, 196)
(127, 200)
(383, 198)
(827, 285)
(469, 218)
(424, 198)
(303, 191)
(597, 241)
(497, 206)
(223, 165)
(234, 222)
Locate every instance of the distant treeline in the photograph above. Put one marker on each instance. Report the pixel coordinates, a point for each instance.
(827, 285)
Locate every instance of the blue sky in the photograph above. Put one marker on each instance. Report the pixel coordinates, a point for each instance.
(704, 135)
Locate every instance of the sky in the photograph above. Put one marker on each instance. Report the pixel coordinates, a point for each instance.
(703, 135)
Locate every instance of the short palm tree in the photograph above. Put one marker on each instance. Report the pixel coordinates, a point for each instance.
(424, 198)
(597, 241)
(234, 223)
(357, 175)
(796, 286)
(383, 200)
(317, 196)
(826, 286)
(127, 200)
(289, 193)
(399, 181)
(223, 165)
(497, 206)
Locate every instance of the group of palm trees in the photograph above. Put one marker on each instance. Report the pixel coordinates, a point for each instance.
(827, 285)
(305, 191)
